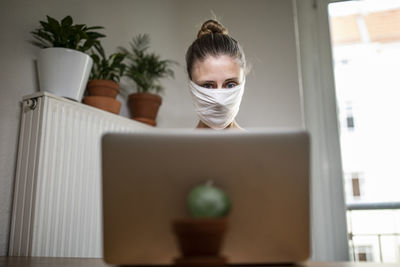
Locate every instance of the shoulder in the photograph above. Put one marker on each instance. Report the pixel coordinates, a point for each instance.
(235, 125)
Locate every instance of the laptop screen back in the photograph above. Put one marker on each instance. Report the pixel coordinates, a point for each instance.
(147, 176)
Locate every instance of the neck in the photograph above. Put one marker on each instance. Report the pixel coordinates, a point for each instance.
(205, 126)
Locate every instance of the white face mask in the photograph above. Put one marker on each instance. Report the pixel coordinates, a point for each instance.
(216, 107)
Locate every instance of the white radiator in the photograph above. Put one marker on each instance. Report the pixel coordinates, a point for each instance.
(57, 198)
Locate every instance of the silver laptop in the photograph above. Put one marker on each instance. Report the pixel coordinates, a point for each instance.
(146, 178)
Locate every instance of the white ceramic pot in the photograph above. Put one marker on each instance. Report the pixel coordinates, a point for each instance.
(64, 72)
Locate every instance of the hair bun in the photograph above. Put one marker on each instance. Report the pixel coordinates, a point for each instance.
(210, 27)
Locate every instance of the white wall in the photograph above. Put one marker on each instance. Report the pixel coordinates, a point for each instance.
(264, 28)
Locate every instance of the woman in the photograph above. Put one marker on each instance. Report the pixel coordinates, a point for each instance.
(216, 66)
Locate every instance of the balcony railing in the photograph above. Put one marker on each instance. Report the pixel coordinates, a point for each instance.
(371, 207)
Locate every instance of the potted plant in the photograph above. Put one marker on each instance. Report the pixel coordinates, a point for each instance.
(63, 66)
(103, 86)
(145, 69)
(200, 237)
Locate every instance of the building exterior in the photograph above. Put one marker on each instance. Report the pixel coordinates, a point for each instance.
(366, 48)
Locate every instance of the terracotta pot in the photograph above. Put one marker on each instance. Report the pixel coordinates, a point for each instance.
(102, 102)
(200, 237)
(103, 88)
(144, 107)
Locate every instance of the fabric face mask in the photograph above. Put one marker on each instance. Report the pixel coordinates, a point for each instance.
(216, 107)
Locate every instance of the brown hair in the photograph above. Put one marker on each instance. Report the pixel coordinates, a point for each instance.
(213, 40)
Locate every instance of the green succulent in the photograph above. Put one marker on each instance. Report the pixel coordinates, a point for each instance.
(66, 34)
(111, 68)
(145, 68)
(208, 201)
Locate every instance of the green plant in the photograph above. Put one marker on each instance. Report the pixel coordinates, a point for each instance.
(111, 68)
(145, 68)
(208, 201)
(66, 34)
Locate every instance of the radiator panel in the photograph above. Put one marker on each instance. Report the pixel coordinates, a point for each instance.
(57, 194)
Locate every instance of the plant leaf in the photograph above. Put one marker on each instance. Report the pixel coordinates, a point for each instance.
(64, 34)
(67, 21)
(95, 28)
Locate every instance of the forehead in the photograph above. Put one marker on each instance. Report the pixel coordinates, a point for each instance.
(216, 68)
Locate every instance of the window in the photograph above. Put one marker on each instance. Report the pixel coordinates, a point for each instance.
(364, 253)
(365, 40)
(354, 186)
(349, 116)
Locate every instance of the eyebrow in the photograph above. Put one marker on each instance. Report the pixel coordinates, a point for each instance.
(206, 81)
(227, 80)
(232, 79)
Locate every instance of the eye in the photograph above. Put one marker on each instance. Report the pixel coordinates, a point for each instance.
(231, 85)
(207, 85)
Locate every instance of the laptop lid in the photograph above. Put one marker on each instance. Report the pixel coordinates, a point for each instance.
(147, 176)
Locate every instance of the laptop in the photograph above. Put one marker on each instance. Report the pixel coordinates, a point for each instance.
(147, 176)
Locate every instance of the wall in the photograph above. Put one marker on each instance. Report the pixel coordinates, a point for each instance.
(264, 28)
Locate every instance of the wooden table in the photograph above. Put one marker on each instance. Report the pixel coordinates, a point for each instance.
(85, 262)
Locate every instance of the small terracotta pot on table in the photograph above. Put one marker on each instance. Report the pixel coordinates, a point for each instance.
(200, 241)
(144, 107)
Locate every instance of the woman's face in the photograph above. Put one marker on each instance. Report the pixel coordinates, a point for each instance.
(217, 72)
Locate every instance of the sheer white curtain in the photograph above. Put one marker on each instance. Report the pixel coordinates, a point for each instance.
(329, 237)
